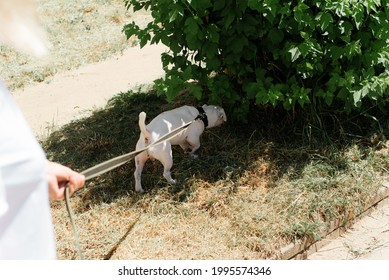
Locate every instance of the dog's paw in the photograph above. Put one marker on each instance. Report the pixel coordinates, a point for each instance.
(172, 182)
(194, 156)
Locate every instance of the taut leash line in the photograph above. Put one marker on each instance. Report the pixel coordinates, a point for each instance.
(109, 165)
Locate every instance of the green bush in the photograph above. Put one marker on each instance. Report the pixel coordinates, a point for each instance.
(290, 53)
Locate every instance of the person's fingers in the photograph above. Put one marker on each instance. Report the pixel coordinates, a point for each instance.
(60, 176)
(63, 173)
(75, 182)
(55, 192)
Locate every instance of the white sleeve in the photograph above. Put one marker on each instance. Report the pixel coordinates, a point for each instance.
(3, 201)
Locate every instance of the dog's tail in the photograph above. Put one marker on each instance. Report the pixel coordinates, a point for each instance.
(142, 126)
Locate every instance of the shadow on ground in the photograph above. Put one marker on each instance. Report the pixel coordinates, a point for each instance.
(226, 151)
(288, 159)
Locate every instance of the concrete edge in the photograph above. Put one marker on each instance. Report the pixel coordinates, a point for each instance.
(301, 249)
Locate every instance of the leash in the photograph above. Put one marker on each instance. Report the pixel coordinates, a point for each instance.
(71, 216)
(108, 165)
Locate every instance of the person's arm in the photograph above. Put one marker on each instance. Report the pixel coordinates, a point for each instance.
(58, 176)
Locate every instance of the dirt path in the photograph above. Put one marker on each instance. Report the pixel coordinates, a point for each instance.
(76, 93)
(367, 239)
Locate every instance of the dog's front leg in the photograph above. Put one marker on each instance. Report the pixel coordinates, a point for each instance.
(193, 141)
(194, 148)
(188, 149)
(185, 146)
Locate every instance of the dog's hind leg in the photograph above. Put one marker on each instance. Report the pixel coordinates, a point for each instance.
(166, 159)
(140, 161)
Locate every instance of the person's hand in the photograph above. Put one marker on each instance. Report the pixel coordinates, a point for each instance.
(58, 175)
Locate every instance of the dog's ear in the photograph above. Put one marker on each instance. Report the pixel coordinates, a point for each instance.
(221, 114)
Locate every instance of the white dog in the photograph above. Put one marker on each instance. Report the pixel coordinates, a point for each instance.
(189, 139)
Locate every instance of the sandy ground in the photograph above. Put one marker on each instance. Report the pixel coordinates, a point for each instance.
(367, 239)
(76, 93)
(73, 94)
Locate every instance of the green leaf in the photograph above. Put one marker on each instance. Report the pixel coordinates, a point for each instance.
(304, 48)
(270, 9)
(192, 32)
(336, 52)
(200, 5)
(254, 5)
(295, 53)
(358, 15)
(187, 74)
(300, 94)
(371, 5)
(228, 19)
(166, 59)
(261, 97)
(175, 84)
(345, 27)
(238, 43)
(173, 15)
(288, 103)
(353, 49)
(300, 14)
(250, 25)
(191, 26)
(196, 91)
(144, 39)
(328, 96)
(213, 33)
(324, 20)
(219, 5)
(276, 36)
(361, 93)
(275, 94)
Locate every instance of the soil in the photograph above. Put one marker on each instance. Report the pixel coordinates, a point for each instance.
(75, 94)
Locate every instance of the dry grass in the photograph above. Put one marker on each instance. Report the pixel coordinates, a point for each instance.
(80, 32)
(254, 189)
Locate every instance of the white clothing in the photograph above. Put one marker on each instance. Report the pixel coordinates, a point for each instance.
(26, 230)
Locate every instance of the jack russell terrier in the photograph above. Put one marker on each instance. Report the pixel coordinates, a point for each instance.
(206, 116)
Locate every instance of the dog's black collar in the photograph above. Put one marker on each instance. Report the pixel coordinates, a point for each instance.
(202, 116)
